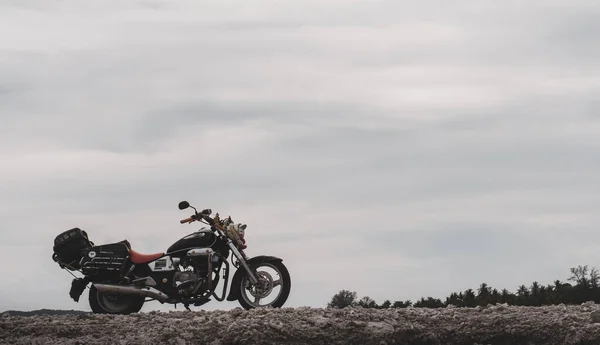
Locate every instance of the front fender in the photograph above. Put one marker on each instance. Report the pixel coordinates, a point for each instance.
(234, 292)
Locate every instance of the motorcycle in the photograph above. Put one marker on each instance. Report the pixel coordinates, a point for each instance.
(122, 279)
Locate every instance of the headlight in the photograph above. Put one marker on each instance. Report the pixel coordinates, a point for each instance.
(236, 231)
(241, 230)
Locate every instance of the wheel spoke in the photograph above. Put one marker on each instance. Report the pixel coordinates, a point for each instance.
(252, 295)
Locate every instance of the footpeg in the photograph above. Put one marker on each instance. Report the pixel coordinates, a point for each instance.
(197, 304)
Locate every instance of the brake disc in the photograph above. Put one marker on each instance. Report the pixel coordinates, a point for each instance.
(264, 286)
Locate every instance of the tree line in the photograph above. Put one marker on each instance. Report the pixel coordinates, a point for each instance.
(585, 288)
(40, 312)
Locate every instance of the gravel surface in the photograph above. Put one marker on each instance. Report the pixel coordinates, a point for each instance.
(499, 324)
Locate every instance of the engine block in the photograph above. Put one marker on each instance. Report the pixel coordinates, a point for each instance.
(187, 283)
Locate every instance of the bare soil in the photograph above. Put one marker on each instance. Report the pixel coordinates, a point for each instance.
(492, 325)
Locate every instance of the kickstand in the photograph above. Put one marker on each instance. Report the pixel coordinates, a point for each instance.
(187, 306)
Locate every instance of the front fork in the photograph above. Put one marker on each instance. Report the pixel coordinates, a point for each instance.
(242, 258)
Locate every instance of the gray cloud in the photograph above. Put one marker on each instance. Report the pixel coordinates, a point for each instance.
(426, 147)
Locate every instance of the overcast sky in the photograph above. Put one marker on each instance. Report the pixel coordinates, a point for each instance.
(394, 148)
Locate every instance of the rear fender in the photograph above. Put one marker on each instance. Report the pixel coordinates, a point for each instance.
(234, 292)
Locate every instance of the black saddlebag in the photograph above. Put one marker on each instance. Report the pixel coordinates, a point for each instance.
(107, 259)
(69, 246)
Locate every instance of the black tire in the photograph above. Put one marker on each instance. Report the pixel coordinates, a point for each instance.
(128, 304)
(285, 290)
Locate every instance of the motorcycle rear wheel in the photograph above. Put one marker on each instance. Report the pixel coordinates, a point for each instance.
(266, 286)
(103, 303)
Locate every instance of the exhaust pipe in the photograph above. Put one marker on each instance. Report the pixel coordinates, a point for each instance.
(132, 290)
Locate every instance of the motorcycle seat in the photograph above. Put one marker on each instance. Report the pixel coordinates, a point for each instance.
(139, 258)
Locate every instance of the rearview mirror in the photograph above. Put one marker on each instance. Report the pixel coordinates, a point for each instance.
(183, 205)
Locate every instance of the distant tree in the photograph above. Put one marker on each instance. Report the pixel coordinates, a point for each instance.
(435, 303)
(461, 299)
(495, 296)
(543, 296)
(522, 297)
(429, 302)
(586, 284)
(386, 304)
(594, 278)
(483, 294)
(595, 282)
(505, 296)
(534, 298)
(551, 296)
(402, 304)
(558, 292)
(367, 302)
(523, 291)
(568, 294)
(420, 303)
(470, 300)
(343, 299)
(454, 299)
(579, 276)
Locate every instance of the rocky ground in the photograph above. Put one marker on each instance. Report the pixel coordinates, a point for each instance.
(492, 325)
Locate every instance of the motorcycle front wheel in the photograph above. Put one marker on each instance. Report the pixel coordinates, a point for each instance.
(268, 286)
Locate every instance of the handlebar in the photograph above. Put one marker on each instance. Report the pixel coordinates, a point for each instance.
(187, 220)
(198, 216)
(215, 223)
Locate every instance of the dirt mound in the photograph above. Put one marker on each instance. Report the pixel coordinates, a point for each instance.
(492, 325)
